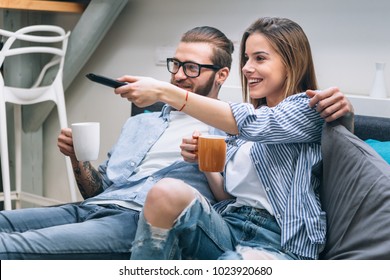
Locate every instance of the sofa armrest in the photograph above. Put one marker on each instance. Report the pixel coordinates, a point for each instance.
(355, 194)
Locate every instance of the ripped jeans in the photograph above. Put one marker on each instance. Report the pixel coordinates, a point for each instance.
(200, 232)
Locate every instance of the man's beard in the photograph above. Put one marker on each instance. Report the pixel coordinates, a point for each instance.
(201, 89)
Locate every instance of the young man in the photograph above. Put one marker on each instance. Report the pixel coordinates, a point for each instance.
(104, 224)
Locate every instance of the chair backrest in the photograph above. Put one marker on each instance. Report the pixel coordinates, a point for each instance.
(36, 39)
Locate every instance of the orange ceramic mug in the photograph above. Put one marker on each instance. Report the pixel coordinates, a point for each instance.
(211, 153)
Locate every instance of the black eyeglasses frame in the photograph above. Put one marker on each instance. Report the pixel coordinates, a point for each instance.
(182, 64)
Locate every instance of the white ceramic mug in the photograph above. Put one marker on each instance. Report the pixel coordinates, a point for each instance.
(86, 140)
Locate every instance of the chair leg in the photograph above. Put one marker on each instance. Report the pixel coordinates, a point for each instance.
(64, 123)
(18, 152)
(71, 179)
(5, 158)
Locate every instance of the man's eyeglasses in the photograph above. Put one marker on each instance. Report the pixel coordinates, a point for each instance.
(191, 69)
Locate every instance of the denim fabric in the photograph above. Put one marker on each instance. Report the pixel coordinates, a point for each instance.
(90, 231)
(286, 149)
(136, 191)
(67, 232)
(255, 253)
(202, 233)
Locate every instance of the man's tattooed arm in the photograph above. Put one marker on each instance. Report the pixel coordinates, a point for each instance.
(89, 180)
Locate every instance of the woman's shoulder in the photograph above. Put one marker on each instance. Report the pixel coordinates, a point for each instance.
(298, 97)
(298, 104)
(296, 101)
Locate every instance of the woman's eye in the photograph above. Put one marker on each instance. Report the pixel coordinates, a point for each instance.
(259, 58)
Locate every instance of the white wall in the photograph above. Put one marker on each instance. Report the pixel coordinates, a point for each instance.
(347, 38)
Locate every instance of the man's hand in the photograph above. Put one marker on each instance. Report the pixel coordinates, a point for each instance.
(330, 103)
(65, 143)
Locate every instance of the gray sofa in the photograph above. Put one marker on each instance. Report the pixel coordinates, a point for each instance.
(355, 191)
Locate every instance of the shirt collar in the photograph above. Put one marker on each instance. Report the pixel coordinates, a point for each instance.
(165, 112)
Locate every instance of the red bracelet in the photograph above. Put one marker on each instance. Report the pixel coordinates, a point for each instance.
(185, 103)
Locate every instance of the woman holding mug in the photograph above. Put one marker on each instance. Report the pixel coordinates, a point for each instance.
(273, 146)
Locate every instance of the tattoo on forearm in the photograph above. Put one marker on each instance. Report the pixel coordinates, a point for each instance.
(89, 180)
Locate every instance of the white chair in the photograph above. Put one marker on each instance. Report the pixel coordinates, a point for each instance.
(37, 39)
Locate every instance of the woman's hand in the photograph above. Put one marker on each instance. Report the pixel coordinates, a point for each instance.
(189, 152)
(189, 148)
(331, 103)
(142, 91)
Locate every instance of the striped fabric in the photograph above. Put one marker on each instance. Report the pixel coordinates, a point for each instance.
(287, 147)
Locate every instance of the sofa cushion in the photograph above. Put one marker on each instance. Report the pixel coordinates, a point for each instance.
(355, 193)
(381, 147)
(156, 107)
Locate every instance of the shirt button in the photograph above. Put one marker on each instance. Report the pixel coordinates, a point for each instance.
(278, 216)
(132, 163)
(267, 189)
(150, 142)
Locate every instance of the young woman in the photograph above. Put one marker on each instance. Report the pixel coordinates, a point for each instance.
(273, 146)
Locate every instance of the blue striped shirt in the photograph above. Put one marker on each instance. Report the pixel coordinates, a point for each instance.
(287, 147)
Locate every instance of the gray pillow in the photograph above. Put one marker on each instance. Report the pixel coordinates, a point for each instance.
(355, 193)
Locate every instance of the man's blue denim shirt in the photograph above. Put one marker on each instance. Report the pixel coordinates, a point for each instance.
(138, 135)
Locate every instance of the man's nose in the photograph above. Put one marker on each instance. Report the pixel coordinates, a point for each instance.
(180, 75)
